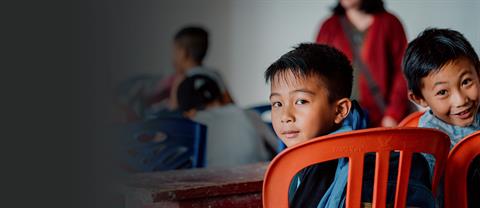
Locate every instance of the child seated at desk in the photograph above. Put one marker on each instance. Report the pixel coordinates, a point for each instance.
(232, 139)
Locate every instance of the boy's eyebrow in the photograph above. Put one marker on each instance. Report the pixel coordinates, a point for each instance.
(439, 83)
(294, 91)
(304, 91)
(274, 94)
(464, 73)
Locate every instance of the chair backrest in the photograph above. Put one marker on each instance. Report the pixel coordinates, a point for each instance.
(458, 162)
(354, 145)
(130, 93)
(165, 144)
(411, 120)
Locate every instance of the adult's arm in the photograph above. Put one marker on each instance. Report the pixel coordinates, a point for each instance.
(397, 100)
(325, 33)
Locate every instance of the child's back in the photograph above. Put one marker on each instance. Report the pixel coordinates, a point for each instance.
(232, 138)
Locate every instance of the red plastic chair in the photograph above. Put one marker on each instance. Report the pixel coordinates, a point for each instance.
(355, 145)
(458, 162)
(411, 120)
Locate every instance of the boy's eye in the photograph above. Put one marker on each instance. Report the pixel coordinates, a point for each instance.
(466, 81)
(276, 104)
(301, 102)
(441, 92)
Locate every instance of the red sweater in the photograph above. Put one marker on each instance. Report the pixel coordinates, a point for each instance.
(382, 52)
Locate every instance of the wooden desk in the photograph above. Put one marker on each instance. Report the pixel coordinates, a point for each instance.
(207, 187)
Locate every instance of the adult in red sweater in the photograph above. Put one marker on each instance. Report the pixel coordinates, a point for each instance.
(380, 41)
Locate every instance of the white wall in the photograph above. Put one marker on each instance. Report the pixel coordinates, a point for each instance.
(142, 33)
(461, 15)
(248, 35)
(262, 32)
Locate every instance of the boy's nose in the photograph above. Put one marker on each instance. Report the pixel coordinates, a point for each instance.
(287, 119)
(460, 99)
(287, 116)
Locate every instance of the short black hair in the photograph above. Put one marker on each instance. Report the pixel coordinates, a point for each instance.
(196, 92)
(310, 59)
(194, 40)
(430, 51)
(368, 6)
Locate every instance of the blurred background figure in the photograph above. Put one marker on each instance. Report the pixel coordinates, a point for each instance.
(149, 96)
(189, 50)
(232, 138)
(374, 40)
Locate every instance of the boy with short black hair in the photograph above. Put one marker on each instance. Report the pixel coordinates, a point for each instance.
(442, 71)
(442, 68)
(310, 90)
(190, 46)
(194, 40)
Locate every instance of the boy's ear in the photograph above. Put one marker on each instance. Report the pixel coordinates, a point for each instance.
(416, 99)
(343, 108)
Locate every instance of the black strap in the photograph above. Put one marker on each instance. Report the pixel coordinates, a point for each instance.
(357, 58)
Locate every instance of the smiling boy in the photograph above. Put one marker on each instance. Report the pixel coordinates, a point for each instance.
(442, 71)
(442, 68)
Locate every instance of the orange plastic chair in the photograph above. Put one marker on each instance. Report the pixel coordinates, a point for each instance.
(355, 145)
(458, 162)
(411, 120)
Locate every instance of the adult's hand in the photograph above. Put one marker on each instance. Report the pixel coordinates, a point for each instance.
(388, 121)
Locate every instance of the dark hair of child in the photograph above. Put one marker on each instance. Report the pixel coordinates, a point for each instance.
(194, 40)
(430, 51)
(196, 92)
(310, 59)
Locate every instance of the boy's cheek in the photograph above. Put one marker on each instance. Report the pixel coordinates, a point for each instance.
(275, 128)
(477, 92)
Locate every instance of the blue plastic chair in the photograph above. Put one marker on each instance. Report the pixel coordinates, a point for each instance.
(165, 144)
(265, 113)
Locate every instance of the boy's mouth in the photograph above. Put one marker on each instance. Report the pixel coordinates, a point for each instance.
(290, 134)
(467, 113)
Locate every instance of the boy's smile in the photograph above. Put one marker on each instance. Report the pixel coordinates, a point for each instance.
(452, 93)
(464, 114)
(300, 108)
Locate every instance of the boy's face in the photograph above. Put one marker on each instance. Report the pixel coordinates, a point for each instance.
(179, 57)
(300, 108)
(452, 93)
